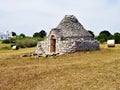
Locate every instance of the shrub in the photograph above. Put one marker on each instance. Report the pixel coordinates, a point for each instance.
(12, 40)
(6, 41)
(25, 43)
(117, 38)
(39, 38)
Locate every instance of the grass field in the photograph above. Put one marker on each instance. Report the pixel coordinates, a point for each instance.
(95, 70)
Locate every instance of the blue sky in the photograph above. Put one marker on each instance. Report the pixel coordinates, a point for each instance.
(29, 16)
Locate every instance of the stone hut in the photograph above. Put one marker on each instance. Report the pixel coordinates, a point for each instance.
(69, 36)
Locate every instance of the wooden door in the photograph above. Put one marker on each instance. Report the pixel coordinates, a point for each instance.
(53, 44)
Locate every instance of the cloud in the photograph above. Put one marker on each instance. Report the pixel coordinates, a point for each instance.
(29, 16)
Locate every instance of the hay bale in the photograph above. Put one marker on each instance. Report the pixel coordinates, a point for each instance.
(111, 43)
(15, 48)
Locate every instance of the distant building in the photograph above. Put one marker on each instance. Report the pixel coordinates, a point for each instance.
(4, 36)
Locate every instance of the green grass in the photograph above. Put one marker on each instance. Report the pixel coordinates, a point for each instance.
(95, 70)
(4, 46)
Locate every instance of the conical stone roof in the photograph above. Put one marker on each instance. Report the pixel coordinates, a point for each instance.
(71, 27)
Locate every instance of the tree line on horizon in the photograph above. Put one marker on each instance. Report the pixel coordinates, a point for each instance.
(106, 35)
(23, 41)
(102, 37)
(41, 34)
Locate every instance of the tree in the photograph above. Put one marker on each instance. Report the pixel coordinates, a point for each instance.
(14, 34)
(91, 33)
(36, 34)
(111, 37)
(41, 34)
(104, 36)
(117, 37)
(22, 35)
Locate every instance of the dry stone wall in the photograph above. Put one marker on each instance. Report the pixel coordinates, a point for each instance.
(86, 45)
(68, 46)
(74, 46)
(65, 47)
(42, 47)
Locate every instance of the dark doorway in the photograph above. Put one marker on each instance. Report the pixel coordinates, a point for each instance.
(52, 44)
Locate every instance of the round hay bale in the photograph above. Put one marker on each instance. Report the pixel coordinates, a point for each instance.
(15, 48)
(111, 43)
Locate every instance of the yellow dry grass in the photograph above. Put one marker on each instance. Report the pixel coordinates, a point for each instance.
(95, 70)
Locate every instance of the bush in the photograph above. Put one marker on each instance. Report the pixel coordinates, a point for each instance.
(25, 43)
(39, 38)
(12, 40)
(6, 41)
(117, 38)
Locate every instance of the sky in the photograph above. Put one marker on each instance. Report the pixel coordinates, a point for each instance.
(30, 16)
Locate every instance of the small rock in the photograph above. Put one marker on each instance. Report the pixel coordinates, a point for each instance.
(44, 55)
(25, 55)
